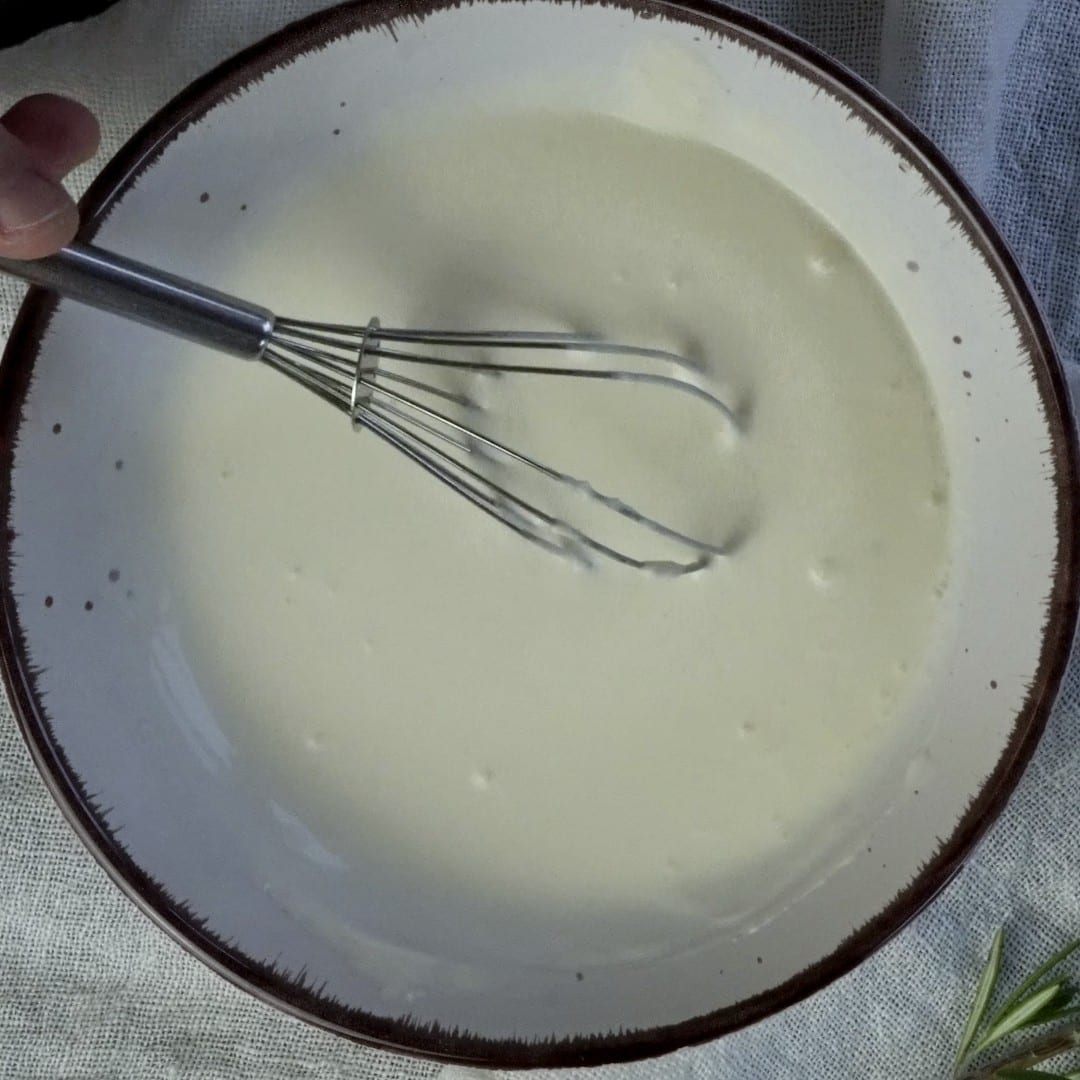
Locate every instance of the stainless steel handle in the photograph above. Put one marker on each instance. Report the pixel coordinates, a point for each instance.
(144, 294)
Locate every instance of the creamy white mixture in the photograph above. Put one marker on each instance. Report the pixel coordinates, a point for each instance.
(458, 710)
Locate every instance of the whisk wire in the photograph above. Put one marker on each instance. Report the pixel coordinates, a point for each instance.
(344, 365)
(499, 503)
(524, 517)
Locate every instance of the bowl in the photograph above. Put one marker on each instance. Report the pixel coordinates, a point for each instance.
(102, 676)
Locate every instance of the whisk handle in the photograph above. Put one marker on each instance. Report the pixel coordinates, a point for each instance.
(133, 290)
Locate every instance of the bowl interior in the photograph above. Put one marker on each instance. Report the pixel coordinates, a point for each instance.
(109, 696)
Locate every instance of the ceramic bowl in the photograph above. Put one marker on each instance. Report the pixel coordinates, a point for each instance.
(97, 671)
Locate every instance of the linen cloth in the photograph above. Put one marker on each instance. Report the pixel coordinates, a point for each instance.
(90, 990)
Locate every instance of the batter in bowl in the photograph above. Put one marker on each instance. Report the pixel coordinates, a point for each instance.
(460, 713)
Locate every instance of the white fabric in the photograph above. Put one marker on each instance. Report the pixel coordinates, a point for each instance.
(90, 989)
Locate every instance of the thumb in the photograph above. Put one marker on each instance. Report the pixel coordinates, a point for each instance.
(37, 216)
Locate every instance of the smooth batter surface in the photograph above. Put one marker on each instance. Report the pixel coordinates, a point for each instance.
(459, 712)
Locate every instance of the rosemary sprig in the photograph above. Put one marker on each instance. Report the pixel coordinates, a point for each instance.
(1042, 999)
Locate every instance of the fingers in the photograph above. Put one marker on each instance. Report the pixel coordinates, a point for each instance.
(41, 139)
(58, 133)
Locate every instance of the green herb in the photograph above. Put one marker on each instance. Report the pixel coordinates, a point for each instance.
(1044, 999)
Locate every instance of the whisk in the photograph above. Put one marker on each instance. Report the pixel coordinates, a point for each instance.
(361, 370)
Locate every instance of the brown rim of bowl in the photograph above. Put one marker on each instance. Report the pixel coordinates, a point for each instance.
(294, 995)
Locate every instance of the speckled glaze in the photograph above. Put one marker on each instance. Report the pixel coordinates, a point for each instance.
(112, 711)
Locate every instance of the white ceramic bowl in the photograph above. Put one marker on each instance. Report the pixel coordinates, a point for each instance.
(107, 699)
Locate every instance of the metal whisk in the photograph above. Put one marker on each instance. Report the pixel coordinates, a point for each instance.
(358, 369)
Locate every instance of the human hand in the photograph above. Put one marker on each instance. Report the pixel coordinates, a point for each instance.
(42, 138)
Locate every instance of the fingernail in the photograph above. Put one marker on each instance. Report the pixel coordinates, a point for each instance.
(28, 201)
